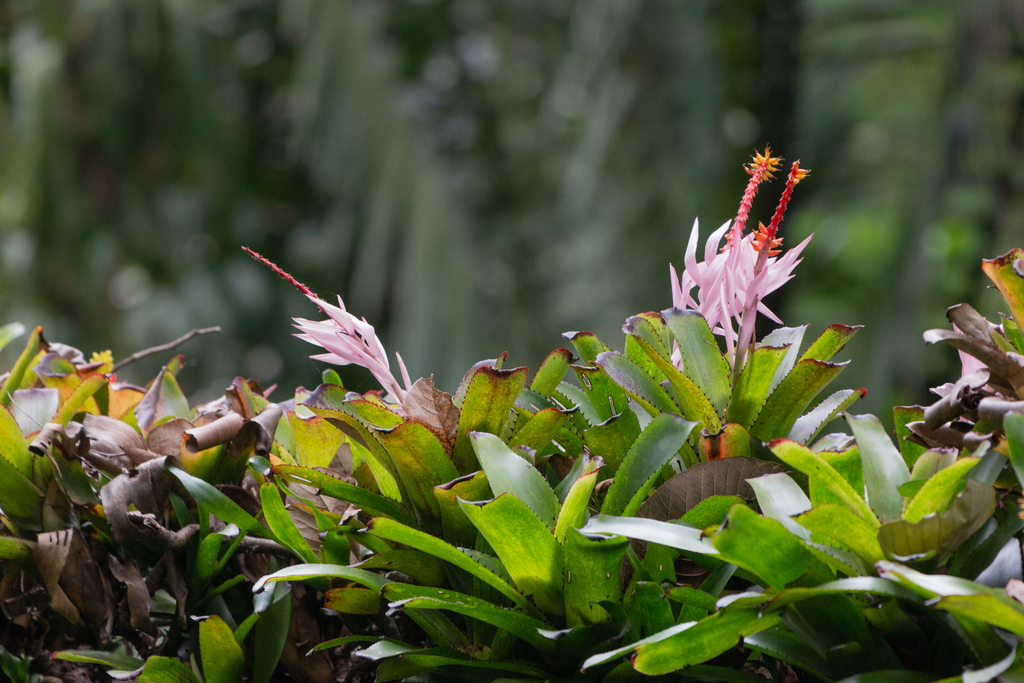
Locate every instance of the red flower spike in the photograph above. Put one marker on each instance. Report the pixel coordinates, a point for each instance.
(277, 269)
(796, 174)
(761, 237)
(762, 168)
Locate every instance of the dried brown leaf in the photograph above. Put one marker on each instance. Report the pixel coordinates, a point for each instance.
(138, 593)
(435, 409)
(165, 438)
(219, 431)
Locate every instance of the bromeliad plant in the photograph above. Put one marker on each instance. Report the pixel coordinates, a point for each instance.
(667, 510)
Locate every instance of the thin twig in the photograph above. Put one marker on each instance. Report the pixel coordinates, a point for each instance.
(163, 347)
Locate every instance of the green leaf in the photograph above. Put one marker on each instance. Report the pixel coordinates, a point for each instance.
(574, 508)
(111, 659)
(422, 568)
(753, 384)
(166, 670)
(818, 470)
(399, 533)
(1013, 423)
(985, 608)
(649, 610)
(766, 549)
(163, 399)
(707, 639)
(353, 600)
(270, 636)
(525, 546)
(222, 656)
(939, 490)
(489, 397)
(655, 446)
(792, 396)
(419, 597)
(17, 374)
(551, 372)
(903, 415)
(884, 468)
(782, 644)
(327, 485)
(591, 576)
(220, 505)
(940, 534)
(301, 572)
(1005, 272)
(328, 401)
(316, 440)
(540, 429)
(830, 342)
(613, 438)
(844, 527)
(89, 385)
(666, 533)
(509, 473)
(457, 527)
(789, 338)
(637, 383)
(14, 447)
(280, 522)
(807, 426)
(16, 549)
(421, 462)
(702, 360)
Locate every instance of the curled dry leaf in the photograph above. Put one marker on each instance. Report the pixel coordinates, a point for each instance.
(165, 438)
(219, 431)
(77, 587)
(147, 487)
(115, 441)
(138, 594)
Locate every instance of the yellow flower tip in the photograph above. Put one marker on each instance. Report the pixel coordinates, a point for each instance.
(798, 174)
(105, 357)
(766, 161)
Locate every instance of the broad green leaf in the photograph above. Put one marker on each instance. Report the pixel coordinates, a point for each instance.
(939, 490)
(551, 372)
(21, 366)
(982, 549)
(222, 656)
(666, 533)
(884, 468)
(271, 632)
(587, 344)
(591, 576)
(509, 473)
(703, 362)
(316, 440)
(789, 338)
(707, 639)
(372, 412)
(525, 546)
(489, 397)
(440, 628)
(327, 485)
(301, 572)
(766, 549)
(931, 462)
(1012, 332)
(353, 600)
(457, 527)
(14, 447)
(807, 426)
(1005, 272)
(604, 395)
(818, 470)
(985, 608)
(574, 508)
(422, 568)
(454, 663)
(830, 342)
(613, 438)
(16, 549)
(220, 505)
(753, 384)
(695, 405)
(844, 527)
(649, 609)
(903, 415)
(651, 329)
(709, 512)
(419, 597)
(421, 462)
(1013, 423)
(328, 401)
(399, 533)
(605, 657)
(571, 396)
(940, 534)
(847, 464)
(166, 670)
(792, 396)
(637, 383)
(684, 491)
(780, 498)
(540, 429)
(782, 644)
(280, 522)
(655, 446)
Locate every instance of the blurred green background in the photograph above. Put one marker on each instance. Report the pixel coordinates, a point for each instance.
(480, 176)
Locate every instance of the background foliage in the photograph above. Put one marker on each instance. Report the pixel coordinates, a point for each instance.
(478, 176)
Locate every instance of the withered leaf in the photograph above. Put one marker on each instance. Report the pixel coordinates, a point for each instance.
(77, 588)
(138, 593)
(148, 488)
(162, 399)
(434, 408)
(114, 440)
(219, 431)
(165, 438)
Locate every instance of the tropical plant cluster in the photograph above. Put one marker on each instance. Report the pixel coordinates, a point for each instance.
(676, 508)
